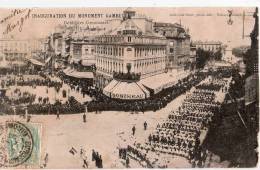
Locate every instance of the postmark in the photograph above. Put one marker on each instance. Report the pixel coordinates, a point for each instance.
(16, 144)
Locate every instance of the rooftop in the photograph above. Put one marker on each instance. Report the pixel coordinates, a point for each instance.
(207, 42)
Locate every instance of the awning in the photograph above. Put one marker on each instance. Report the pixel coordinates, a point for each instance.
(126, 90)
(107, 90)
(162, 81)
(36, 62)
(77, 74)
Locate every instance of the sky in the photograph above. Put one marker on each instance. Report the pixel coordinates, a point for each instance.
(204, 23)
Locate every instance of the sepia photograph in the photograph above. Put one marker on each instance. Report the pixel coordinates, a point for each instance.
(129, 87)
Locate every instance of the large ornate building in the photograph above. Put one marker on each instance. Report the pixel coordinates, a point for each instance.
(131, 47)
(129, 54)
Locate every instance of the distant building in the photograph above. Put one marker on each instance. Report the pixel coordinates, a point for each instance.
(14, 49)
(13, 52)
(178, 44)
(83, 51)
(60, 44)
(213, 46)
(36, 45)
(73, 43)
(192, 54)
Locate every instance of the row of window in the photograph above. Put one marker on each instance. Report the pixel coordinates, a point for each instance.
(13, 44)
(14, 56)
(118, 66)
(12, 47)
(107, 66)
(110, 39)
(135, 39)
(143, 52)
(110, 50)
(119, 51)
(209, 47)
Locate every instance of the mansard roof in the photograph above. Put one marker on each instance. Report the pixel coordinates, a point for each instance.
(129, 25)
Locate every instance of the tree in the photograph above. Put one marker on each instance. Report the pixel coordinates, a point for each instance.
(201, 58)
(218, 55)
(239, 51)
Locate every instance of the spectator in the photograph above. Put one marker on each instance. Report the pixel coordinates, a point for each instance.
(133, 130)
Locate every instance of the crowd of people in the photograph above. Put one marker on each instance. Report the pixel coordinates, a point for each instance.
(24, 99)
(185, 128)
(19, 97)
(13, 70)
(139, 156)
(29, 80)
(85, 86)
(180, 133)
(72, 106)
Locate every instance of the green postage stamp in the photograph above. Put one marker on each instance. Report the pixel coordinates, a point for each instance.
(19, 144)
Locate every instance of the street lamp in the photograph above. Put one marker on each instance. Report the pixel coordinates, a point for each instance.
(26, 113)
(14, 110)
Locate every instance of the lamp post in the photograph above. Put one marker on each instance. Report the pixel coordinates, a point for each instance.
(84, 115)
(26, 113)
(14, 110)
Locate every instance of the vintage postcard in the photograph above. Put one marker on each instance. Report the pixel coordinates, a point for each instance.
(129, 87)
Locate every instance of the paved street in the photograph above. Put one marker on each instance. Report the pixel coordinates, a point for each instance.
(103, 132)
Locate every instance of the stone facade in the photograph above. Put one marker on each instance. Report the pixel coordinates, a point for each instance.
(130, 47)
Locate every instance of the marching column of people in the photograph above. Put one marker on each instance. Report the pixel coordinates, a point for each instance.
(185, 129)
(181, 134)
